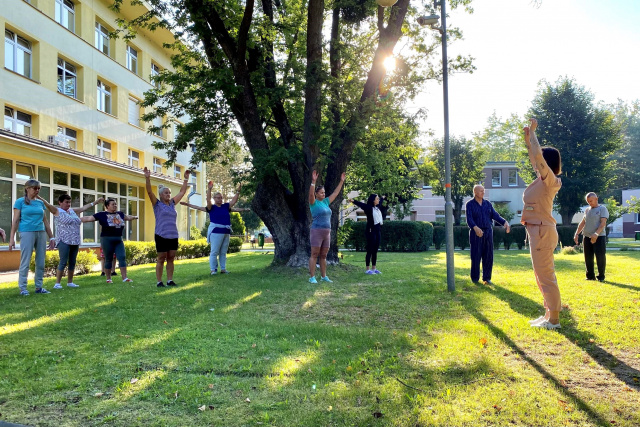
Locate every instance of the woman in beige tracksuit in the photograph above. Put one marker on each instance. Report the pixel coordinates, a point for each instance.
(540, 224)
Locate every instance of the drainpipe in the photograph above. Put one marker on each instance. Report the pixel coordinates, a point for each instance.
(189, 213)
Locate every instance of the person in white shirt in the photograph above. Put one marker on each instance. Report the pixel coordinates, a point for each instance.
(375, 214)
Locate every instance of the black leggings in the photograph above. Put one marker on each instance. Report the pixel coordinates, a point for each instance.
(373, 243)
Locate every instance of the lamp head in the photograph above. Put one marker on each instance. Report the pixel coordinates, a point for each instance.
(386, 3)
(428, 20)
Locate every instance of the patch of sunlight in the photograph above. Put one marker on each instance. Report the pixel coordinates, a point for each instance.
(313, 298)
(241, 301)
(285, 369)
(142, 344)
(129, 389)
(45, 320)
(176, 289)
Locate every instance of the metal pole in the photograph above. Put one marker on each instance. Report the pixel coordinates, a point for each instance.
(448, 207)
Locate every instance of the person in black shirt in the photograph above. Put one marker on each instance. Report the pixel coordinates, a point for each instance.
(375, 215)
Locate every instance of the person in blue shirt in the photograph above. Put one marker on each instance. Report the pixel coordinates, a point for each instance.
(320, 235)
(480, 216)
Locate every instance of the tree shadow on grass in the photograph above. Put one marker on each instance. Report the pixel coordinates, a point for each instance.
(621, 285)
(525, 306)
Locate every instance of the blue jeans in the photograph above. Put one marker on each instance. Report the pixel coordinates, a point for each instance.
(111, 245)
(67, 253)
(30, 240)
(219, 247)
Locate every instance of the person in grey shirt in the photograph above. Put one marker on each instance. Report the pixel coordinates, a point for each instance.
(592, 227)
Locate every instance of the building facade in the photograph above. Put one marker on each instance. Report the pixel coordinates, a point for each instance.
(70, 97)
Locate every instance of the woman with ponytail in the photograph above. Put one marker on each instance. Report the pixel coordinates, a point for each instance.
(30, 219)
(372, 233)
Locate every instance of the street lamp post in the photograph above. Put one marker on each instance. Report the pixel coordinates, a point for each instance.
(448, 207)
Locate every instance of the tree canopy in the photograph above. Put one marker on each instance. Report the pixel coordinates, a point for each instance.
(302, 81)
(501, 139)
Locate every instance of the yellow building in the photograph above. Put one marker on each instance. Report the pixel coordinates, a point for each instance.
(71, 118)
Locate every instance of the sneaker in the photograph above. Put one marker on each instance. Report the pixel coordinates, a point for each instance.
(313, 280)
(326, 279)
(171, 283)
(161, 285)
(224, 272)
(126, 279)
(546, 325)
(369, 272)
(24, 293)
(214, 272)
(72, 285)
(102, 274)
(42, 291)
(538, 320)
(109, 281)
(376, 271)
(57, 286)
(487, 282)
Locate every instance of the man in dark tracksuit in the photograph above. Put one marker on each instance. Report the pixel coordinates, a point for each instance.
(480, 216)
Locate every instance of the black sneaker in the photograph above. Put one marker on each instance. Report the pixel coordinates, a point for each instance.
(102, 274)
(171, 283)
(161, 285)
(42, 291)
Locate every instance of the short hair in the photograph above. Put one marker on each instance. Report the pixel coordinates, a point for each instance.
(108, 201)
(161, 188)
(477, 186)
(591, 194)
(217, 193)
(551, 155)
(63, 197)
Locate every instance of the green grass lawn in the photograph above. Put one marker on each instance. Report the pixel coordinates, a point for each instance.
(619, 242)
(262, 347)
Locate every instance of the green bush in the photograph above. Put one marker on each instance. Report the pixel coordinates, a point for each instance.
(565, 234)
(439, 236)
(84, 262)
(194, 233)
(235, 243)
(145, 252)
(461, 236)
(237, 224)
(397, 236)
(344, 231)
(518, 235)
(572, 250)
(498, 236)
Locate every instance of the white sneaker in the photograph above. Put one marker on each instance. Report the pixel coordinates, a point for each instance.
(538, 320)
(72, 285)
(546, 325)
(57, 286)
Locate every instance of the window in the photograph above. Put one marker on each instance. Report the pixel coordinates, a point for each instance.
(67, 78)
(102, 39)
(104, 97)
(157, 165)
(519, 212)
(65, 14)
(132, 59)
(440, 217)
(134, 158)
(177, 171)
(157, 122)
(17, 53)
(513, 177)
(155, 71)
(194, 180)
(17, 121)
(496, 178)
(70, 135)
(104, 149)
(134, 112)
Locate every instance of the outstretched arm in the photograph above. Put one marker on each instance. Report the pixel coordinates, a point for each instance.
(184, 187)
(130, 217)
(335, 193)
(235, 197)
(49, 206)
(196, 207)
(312, 188)
(239, 210)
(89, 218)
(88, 205)
(147, 178)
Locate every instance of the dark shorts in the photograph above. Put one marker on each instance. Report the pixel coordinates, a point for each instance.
(165, 245)
(320, 237)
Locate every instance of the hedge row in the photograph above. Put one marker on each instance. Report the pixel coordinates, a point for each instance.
(136, 253)
(397, 236)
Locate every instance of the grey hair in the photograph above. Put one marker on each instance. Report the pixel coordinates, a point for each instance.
(161, 188)
(30, 183)
(591, 194)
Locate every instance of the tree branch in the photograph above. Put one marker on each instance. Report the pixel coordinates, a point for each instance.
(243, 31)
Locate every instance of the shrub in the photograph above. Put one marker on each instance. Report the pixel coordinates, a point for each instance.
(439, 236)
(344, 231)
(235, 243)
(566, 233)
(397, 236)
(572, 250)
(194, 233)
(237, 224)
(461, 236)
(84, 262)
(518, 235)
(498, 236)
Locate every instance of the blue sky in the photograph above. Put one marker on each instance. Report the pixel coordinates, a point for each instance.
(516, 44)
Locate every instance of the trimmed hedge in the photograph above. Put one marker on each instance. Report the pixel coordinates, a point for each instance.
(84, 262)
(565, 234)
(145, 252)
(397, 236)
(439, 236)
(235, 243)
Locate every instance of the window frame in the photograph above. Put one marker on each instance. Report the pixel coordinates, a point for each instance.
(493, 184)
(15, 121)
(178, 169)
(139, 110)
(132, 59)
(155, 71)
(160, 131)
(102, 149)
(102, 39)
(65, 70)
(515, 184)
(73, 139)
(104, 91)
(157, 165)
(12, 44)
(71, 10)
(133, 156)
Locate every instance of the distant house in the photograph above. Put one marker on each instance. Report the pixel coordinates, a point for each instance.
(631, 221)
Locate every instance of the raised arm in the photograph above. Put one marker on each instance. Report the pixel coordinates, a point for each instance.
(183, 189)
(535, 152)
(49, 206)
(357, 203)
(235, 197)
(88, 205)
(209, 187)
(335, 193)
(312, 188)
(147, 177)
(196, 207)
